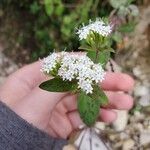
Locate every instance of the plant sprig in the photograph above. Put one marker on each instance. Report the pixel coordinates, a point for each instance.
(82, 74)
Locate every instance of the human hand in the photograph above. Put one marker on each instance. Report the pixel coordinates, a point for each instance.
(56, 113)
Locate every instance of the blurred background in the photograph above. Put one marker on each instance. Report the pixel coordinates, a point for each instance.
(31, 29)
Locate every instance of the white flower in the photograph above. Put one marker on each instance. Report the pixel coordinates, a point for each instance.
(97, 71)
(75, 67)
(49, 63)
(98, 27)
(86, 85)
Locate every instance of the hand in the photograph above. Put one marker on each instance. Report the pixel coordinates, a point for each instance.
(55, 113)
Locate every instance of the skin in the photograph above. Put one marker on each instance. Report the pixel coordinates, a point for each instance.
(56, 113)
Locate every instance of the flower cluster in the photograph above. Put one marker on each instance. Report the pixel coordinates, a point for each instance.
(76, 67)
(98, 27)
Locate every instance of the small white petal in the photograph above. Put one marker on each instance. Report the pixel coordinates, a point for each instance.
(75, 67)
(98, 27)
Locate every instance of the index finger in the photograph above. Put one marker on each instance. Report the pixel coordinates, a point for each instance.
(117, 82)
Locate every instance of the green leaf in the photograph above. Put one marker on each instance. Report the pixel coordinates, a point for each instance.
(102, 58)
(127, 28)
(34, 7)
(49, 7)
(57, 85)
(99, 95)
(117, 37)
(91, 55)
(118, 3)
(110, 50)
(88, 109)
(87, 48)
(59, 9)
(130, 1)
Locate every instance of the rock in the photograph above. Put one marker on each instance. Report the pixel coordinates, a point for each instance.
(69, 147)
(145, 138)
(139, 127)
(122, 118)
(145, 100)
(82, 126)
(128, 144)
(143, 92)
(100, 125)
(112, 137)
(136, 71)
(138, 116)
(124, 136)
(118, 145)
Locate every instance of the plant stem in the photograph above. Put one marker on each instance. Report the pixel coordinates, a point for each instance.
(96, 57)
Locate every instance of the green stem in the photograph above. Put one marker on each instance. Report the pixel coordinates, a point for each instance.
(96, 57)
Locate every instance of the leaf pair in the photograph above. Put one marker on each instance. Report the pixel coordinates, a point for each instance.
(89, 105)
(101, 57)
(98, 56)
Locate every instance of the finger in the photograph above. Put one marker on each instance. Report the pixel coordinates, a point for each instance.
(75, 119)
(108, 115)
(119, 100)
(60, 124)
(117, 82)
(67, 104)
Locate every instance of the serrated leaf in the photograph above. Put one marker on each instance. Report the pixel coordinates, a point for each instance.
(88, 109)
(57, 85)
(99, 95)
